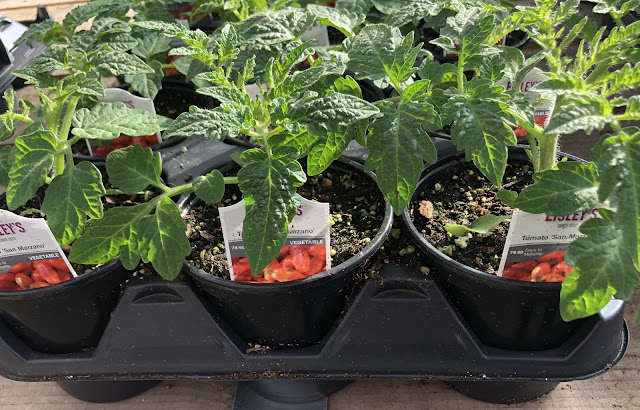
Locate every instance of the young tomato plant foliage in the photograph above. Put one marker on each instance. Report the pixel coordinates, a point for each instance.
(42, 153)
(590, 83)
(313, 113)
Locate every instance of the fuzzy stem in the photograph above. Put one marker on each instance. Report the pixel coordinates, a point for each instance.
(31, 211)
(548, 149)
(64, 134)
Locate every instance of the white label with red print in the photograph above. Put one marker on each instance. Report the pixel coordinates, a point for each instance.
(28, 247)
(113, 95)
(306, 250)
(542, 111)
(536, 245)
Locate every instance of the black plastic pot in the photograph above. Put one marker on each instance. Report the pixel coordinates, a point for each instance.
(172, 90)
(294, 313)
(504, 313)
(66, 317)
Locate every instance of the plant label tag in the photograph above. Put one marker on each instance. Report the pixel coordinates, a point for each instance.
(112, 95)
(542, 110)
(27, 243)
(317, 32)
(536, 244)
(306, 249)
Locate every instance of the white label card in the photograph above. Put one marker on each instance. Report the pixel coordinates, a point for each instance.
(113, 95)
(306, 250)
(543, 110)
(25, 240)
(536, 245)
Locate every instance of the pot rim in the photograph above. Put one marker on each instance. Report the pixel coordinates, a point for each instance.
(376, 242)
(472, 273)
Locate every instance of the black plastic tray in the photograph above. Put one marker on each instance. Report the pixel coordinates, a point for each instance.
(401, 326)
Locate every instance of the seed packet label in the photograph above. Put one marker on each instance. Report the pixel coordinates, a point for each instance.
(306, 250)
(317, 32)
(25, 240)
(542, 110)
(98, 148)
(540, 241)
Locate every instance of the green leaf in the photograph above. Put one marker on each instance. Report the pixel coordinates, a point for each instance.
(147, 85)
(343, 20)
(107, 121)
(513, 60)
(431, 70)
(399, 147)
(563, 84)
(479, 126)
(210, 187)
(581, 113)
(618, 160)
(328, 147)
(355, 6)
(302, 141)
(32, 162)
(625, 78)
(52, 59)
(273, 27)
(94, 8)
(71, 198)
(216, 123)
(133, 169)
(80, 83)
(227, 96)
(570, 188)
(117, 63)
(413, 11)
(331, 111)
(227, 44)
(162, 240)
(387, 6)
(114, 234)
(6, 161)
(474, 38)
(416, 91)
(481, 225)
(380, 52)
(46, 32)
(603, 267)
(268, 185)
(151, 44)
(166, 29)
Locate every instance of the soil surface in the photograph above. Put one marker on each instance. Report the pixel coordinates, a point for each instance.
(460, 195)
(355, 215)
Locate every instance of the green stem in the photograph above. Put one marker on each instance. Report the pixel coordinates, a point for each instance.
(617, 18)
(31, 211)
(231, 180)
(274, 131)
(460, 75)
(171, 192)
(64, 135)
(548, 149)
(23, 118)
